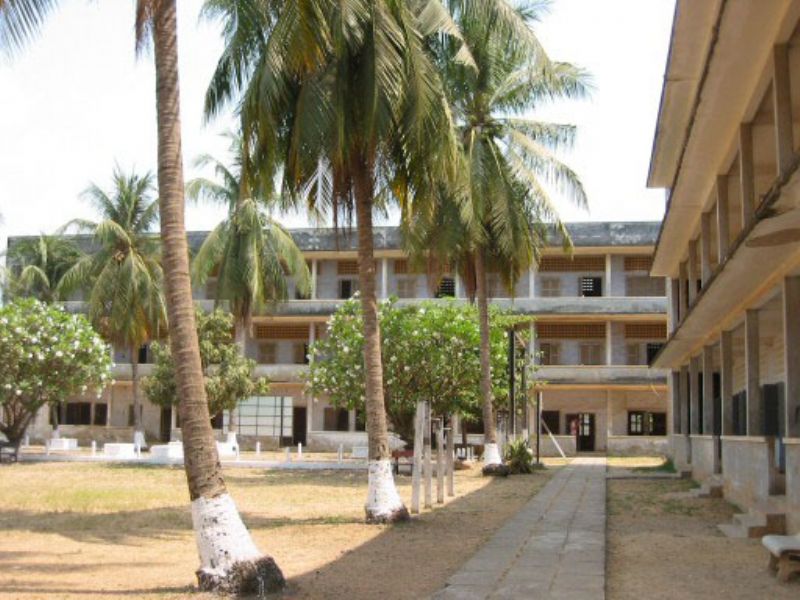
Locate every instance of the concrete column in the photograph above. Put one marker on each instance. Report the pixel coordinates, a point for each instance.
(723, 218)
(683, 393)
(746, 178)
(108, 408)
(726, 381)
(691, 271)
(674, 303)
(384, 278)
(532, 281)
(91, 412)
(607, 291)
(609, 418)
(694, 395)
(708, 390)
(752, 375)
(314, 269)
(309, 415)
(351, 420)
(782, 105)
(459, 285)
(173, 419)
(791, 354)
(675, 393)
(705, 247)
(609, 344)
(683, 299)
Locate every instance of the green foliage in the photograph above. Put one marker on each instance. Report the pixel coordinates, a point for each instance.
(429, 352)
(518, 457)
(36, 266)
(46, 356)
(228, 375)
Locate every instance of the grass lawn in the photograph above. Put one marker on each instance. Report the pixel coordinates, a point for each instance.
(71, 530)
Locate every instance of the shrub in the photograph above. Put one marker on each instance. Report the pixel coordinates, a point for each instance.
(519, 457)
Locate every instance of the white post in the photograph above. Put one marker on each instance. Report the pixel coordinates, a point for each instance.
(608, 276)
(258, 448)
(532, 281)
(609, 344)
(94, 447)
(385, 278)
(450, 459)
(439, 461)
(287, 457)
(459, 285)
(300, 450)
(340, 454)
(419, 422)
(173, 420)
(426, 438)
(314, 279)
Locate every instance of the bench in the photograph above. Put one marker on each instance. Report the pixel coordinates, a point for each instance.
(784, 554)
(9, 451)
(398, 454)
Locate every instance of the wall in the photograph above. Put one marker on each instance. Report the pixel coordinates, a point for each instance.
(745, 469)
(548, 448)
(704, 458)
(793, 486)
(639, 445)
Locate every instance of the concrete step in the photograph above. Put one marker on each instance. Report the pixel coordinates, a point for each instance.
(733, 530)
(710, 488)
(754, 524)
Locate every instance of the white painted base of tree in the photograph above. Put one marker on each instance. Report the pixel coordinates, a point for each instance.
(229, 560)
(383, 502)
(493, 461)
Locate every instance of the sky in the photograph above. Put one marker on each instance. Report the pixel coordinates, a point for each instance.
(78, 101)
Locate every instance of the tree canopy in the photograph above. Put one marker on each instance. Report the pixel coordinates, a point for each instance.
(46, 356)
(228, 376)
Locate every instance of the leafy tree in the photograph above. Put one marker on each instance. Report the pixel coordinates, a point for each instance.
(495, 217)
(46, 356)
(429, 352)
(122, 274)
(227, 374)
(20, 20)
(36, 266)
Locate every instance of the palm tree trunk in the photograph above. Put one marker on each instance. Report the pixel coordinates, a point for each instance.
(491, 453)
(138, 434)
(383, 502)
(229, 560)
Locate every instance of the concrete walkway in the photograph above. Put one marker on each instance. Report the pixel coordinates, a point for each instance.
(553, 548)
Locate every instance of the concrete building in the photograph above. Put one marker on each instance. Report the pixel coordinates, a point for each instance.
(600, 316)
(726, 151)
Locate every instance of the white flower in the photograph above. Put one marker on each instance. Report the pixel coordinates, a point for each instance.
(19, 392)
(7, 386)
(59, 354)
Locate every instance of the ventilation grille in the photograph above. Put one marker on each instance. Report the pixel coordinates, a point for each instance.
(575, 331)
(347, 267)
(561, 264)
(646, 331)
(282, 332)
(638, 263)
(401, 267)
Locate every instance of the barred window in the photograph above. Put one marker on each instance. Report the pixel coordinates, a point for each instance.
(550, 287)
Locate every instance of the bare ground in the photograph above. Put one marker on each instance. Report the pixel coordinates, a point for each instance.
(101, 531)
(662, 544)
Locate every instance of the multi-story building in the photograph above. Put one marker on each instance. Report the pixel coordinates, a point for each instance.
(599, 318)
(726, 149)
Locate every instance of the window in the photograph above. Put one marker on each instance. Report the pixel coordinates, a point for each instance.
(336, 419)
(100, 413)
(447, 288)
(551, 420)
(347, 287)
(550, 287)
(406, 287)
(644, 285)
(266, 416)
(658, 423)
(79, 413)
(590, 287)
(653, 348)
(634, 354)
(267, 353)
(592, 354)
(635, 423)
(300, 353)
(549, 353)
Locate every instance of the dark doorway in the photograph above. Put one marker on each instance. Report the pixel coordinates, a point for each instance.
(299, 425)
(166, 424)
(582, 427)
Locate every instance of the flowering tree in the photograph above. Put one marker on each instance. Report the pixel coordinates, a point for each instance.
(46, 356)
(227, 373)
(430, 352)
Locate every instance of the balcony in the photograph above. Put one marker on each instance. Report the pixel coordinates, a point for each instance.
(601, 375)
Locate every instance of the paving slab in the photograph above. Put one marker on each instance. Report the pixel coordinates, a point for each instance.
(554, 547)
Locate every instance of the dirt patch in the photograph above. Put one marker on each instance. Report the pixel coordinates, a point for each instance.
(102, 531)
(662, 544)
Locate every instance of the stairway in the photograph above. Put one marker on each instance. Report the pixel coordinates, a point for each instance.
(766, 518)
(710, 488)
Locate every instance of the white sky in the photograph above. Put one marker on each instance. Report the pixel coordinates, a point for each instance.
(77, 101)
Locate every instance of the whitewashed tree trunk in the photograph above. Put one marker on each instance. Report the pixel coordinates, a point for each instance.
(383, 501)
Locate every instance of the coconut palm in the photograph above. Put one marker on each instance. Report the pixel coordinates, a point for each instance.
(229, 559)
(251, 253)
(499, 216)
(36, 265)
(121, 275)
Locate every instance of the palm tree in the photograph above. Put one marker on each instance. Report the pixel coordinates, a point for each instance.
(251, 253)
(122, 274)
(497, 217)
(36, 266)
(229, 559)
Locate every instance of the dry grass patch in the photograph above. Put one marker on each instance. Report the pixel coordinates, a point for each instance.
(71, 530)
(663, 544)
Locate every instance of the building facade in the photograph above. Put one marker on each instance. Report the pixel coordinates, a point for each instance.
(726, 150)
(599, 318)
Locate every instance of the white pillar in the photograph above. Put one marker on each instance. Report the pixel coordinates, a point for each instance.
(726, 380)
(691, 271)
(705, 247)
(683, 392)
(694, 396)
(608, 276)
(673, 291)
(723, 219)
(609, 418)
(675, 408)
(459, 285)
(791, 355)
(314, 271)
(609, 344)
(752, 374)
(108, 408)
(782, 108)
(683, 299)
(708, 390)
(746, 179)
(385, 278)
(173, 419)
(532, 281)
